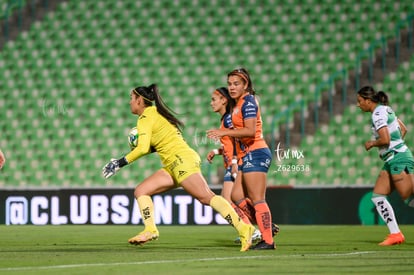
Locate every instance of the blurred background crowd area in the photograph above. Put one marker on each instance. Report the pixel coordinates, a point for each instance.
(67, 68)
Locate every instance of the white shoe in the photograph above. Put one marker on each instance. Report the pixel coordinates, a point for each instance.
(256, 237)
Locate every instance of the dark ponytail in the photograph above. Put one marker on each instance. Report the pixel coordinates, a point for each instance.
(230, 101)
(382, 98)
(150, 94)
(368, 92)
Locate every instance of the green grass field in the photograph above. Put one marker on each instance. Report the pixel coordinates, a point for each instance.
(201, 250)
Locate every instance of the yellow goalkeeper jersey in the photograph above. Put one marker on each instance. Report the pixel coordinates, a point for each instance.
(156, 132)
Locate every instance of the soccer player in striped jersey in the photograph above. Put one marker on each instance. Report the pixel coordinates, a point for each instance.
(253, 154)
(398, 170)
(160, 131)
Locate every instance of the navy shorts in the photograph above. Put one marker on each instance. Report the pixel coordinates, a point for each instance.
(258, 160)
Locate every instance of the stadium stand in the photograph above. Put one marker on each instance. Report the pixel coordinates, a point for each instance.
(67, 79)
(335, 154)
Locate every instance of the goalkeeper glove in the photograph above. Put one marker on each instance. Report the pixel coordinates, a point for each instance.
(113, 166)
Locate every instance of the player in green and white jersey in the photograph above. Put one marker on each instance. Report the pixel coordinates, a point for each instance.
(398, 170)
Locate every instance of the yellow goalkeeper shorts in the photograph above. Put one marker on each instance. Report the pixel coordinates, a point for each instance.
(182, 165)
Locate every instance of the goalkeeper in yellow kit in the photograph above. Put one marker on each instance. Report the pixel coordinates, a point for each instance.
(159, 130)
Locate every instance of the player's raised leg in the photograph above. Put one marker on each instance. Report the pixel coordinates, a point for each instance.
(150, 231)
(203, 193)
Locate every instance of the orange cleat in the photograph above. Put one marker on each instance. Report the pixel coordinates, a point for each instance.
(143, 237)
(392, 239)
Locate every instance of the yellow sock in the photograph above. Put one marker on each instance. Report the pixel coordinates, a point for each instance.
(223, 207)
(146, 207)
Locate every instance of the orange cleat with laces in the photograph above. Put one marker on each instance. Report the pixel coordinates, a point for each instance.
(392, 239)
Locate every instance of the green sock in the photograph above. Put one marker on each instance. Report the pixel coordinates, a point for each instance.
(410, 201)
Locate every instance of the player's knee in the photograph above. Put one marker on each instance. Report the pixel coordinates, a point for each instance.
(138, 193)
(405, 190)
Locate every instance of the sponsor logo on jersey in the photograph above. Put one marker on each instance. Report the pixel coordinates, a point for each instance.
(266, 163)
(248, 165)
(181, 173)
(379, 122)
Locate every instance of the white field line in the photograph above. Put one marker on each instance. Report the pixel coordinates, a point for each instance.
(31, 268)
